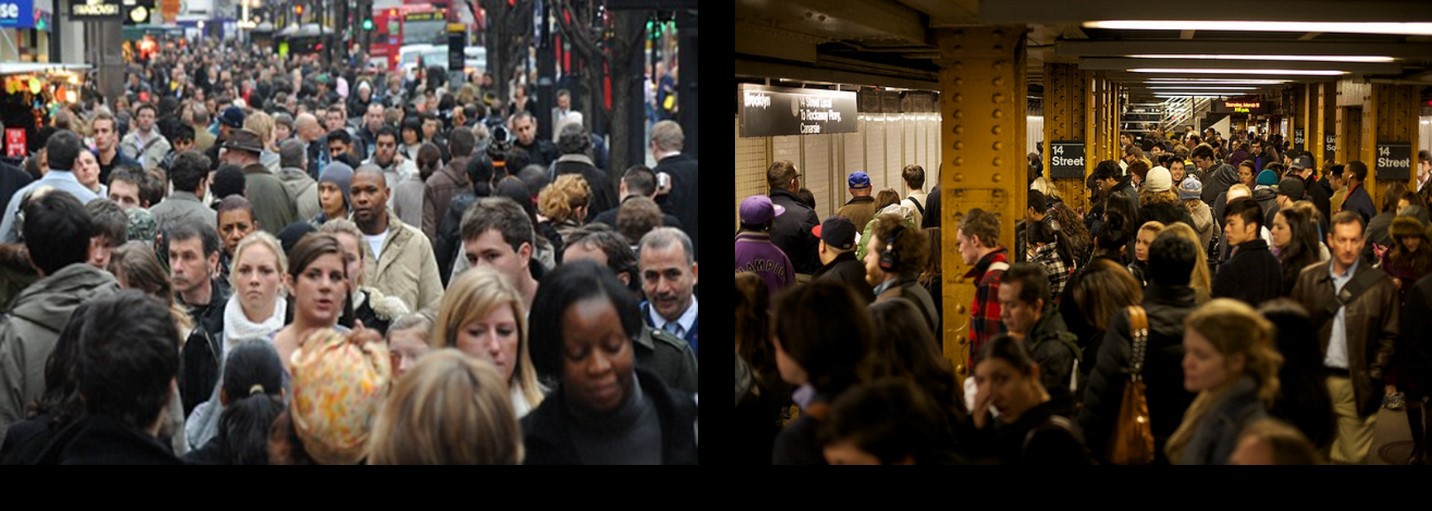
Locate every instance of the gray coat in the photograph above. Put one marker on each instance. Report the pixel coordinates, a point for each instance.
(668, 357)
(1216, 433)
(32, 327)
(184, 207)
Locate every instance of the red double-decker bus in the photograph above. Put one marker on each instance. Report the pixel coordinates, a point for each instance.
(409, 24)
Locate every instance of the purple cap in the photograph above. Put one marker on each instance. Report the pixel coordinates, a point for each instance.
(758, 209)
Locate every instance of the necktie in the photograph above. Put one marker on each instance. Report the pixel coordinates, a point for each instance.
(675, 329)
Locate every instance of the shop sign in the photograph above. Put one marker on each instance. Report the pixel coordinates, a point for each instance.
(96, 10)
(778, 111)
(15, 143)
(17, 13)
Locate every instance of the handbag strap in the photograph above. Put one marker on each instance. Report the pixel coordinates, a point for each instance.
(1139, 334)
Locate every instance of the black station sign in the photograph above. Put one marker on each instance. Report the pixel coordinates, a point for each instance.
(1394, 161)
(1066, 160)
(779, 111)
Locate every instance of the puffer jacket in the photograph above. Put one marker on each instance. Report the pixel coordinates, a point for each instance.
(1371, 321)
(32, 327)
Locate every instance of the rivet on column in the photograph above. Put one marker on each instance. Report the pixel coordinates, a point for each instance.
(959, 162)
(997, 113)
(996, 161)
(997, 98)
(997, 177)
(995, 130)
(958, 114)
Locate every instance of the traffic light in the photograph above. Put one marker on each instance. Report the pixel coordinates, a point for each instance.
(367, 23)
(298, 10)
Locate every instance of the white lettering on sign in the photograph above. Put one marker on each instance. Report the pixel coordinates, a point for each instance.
(1391, 163)
(96, 10)
(757, 100)
(10, 11)
(1059, 149)
(1060, 161)
(810, 129)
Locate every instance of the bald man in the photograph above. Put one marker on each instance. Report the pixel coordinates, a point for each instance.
(403, 263)
(312, 135)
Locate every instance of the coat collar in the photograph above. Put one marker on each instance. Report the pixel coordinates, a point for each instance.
(997, 256)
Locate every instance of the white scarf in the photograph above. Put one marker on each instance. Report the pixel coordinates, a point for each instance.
(238, 328)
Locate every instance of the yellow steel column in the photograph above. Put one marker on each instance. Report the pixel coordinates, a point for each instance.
(1390, 117)
(1067, 118)
(1327, 124)
(982, 102)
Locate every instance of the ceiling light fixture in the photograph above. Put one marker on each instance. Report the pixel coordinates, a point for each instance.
(1194, 87)
(1394, 28)
(1293, 58)
(1306, 72)
(1217, 81)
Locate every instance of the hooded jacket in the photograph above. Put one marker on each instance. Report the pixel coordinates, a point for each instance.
(29, 333)
(1220, 177)
(439, 191)
(302, 190)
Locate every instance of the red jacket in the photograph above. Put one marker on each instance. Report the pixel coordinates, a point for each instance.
(985, 322)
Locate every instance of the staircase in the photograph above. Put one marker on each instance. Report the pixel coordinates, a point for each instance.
(1169, 114)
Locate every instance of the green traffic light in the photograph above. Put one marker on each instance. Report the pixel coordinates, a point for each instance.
(368, 24)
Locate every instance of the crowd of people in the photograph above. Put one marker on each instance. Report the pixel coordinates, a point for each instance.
(254, 259)
(1265, 311)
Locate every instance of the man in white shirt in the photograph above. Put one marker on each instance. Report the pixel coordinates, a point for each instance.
(63, 149)
(914, 176)
(561, 111)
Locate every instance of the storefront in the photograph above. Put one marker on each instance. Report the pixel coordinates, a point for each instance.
(30, 95)
(24, 31)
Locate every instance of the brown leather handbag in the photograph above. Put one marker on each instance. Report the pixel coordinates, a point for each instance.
(1133, 442)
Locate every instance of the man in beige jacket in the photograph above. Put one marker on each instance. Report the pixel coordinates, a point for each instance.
(404, 265)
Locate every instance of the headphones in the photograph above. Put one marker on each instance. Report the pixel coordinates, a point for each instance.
(889, 258)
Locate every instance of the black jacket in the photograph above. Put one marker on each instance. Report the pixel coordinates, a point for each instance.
(932, 209)
(1166, 214)
(791, 232)
(1055, 349)
(1414, 344)
(1220, 176)
(1321, 198)
(200, 356)
(449, 242)
(1252, 275)
(847, 270)
(682, 199)
(549, 442)
(604, 194)
(1163, 371)
(797, 443)
(609, 217)
(12, 179)
(1043, 435)
(102, 440)
(542, 151)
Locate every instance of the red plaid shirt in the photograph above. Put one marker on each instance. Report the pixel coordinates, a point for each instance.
(985, 322)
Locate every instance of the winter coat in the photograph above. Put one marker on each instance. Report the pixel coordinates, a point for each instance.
(272, 206)
(1163, 370)
(604, 194)
(406, 267)
(792, 231)
(1253, 275)
(28, 334)
(667, 357)
(439, 190)
(1220, 177)
(302, 191)
(1216, 433)
(847, 270)
(548, 441)
(682, 201)
(182, 207)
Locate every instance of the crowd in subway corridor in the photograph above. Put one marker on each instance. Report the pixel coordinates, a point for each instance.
(1210, 300)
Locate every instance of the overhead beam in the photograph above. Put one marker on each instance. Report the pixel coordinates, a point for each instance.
(1123, 64)
(775, 43)
(1063, 11)
(1196, 47)
(947, 13)
(838, 19)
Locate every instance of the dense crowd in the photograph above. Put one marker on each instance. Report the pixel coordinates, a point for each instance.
(1220, 301)
(253, 259)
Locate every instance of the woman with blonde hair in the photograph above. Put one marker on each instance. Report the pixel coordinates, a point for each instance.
(263, 124)
(564, 203)
(1139, 268)
(449, 409)
(483, 316)
(1229, 360)
(1202, 280)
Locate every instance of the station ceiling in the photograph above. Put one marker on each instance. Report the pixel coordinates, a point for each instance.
(890, 43)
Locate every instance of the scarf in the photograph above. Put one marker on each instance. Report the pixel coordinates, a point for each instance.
(237, 327)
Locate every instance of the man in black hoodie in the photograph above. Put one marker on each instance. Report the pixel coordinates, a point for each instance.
(1253, 274)
(1218, 176)
(1302, 167)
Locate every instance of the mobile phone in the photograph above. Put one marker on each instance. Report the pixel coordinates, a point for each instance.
(663, 180)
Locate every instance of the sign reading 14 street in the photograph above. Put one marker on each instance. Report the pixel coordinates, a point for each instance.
(1066, 160)
(780, 111)
(1394, 161)
(1299, 138)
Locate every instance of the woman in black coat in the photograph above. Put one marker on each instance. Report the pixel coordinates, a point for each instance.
(1031, 429)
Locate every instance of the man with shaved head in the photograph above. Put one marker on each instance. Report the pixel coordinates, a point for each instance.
(400, 252)
(311, 133)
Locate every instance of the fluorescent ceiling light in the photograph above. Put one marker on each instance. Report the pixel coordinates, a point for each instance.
(1394, 28)
(1187, 94)
(1218, 81)
(1192, 87)
(1310, 72)
(1298, 58)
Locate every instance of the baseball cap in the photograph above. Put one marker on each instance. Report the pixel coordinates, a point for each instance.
(758, 209)
(1302, 162)
(859, 179)
(836, 231)
(1292, 187)
(232, 117)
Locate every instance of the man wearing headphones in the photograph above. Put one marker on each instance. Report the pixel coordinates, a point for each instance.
(894, 256)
